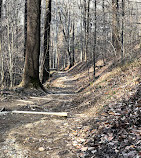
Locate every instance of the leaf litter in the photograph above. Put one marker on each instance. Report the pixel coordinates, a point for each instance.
(118, 131)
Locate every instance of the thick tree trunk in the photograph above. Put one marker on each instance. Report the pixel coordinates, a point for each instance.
(46, 68)
(31, 69)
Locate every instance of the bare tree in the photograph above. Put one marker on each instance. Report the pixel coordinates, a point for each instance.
(25, 26)
(1, 56)
(0, 7)
(95, 38)
(66, 31)
(31, 69)
(46, 69)
(86, 25)
(115, 26)
(79, 30)
(122, 34)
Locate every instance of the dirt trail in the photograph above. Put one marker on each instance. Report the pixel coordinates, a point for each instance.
(41, 136)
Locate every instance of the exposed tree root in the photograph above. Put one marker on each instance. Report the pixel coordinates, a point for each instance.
(31, 85)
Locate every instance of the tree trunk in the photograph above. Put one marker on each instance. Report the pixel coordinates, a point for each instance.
(85, 29)
(122, 34)
(1, 55)
(95, 40)
(0, 8)
(46, 42)
(68, 38)
(86, 25)
(31, 68)
(104, 34)
(115, 26)
(25, 27)
(73, 38)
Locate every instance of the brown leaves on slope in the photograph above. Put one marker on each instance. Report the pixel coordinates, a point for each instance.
(119, 131)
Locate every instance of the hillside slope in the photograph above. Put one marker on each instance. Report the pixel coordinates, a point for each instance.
(111, 106)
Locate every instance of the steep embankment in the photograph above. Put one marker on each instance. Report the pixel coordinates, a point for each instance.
(112, 84)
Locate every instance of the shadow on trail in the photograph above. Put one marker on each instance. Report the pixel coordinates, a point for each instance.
(60, 90)
(11, 121)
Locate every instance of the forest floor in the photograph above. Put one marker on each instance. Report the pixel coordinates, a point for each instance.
(103, 120)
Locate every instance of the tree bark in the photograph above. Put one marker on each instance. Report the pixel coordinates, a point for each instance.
(31, 68)
(0, 8)
(115, 26)
(95, 40)
(73, 38)
(25, 26)
(85, 29)
(86, 25)
(122, 34)
(104, 30)
(46, 69)
(1, 55)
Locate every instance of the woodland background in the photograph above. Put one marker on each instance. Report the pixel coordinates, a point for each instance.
(80, 31)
